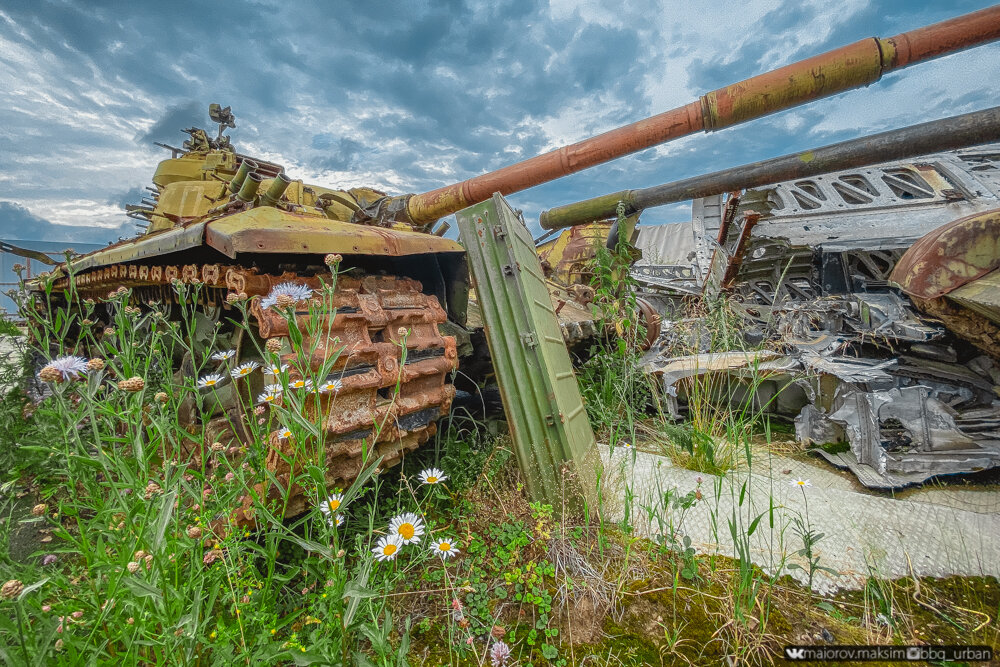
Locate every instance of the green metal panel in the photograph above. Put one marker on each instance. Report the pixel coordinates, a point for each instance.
(548, 423)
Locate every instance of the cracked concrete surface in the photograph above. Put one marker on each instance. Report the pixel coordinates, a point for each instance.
(938, 531)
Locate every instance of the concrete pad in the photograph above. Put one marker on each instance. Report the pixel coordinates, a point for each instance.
(940, 532)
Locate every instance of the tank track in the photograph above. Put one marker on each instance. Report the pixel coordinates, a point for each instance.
(386, 403)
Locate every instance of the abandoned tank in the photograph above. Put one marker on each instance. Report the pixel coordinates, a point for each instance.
(239, 228)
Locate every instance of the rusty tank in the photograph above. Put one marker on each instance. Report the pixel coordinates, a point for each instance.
(237, 225)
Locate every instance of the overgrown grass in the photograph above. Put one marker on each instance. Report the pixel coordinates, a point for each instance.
(140, 551)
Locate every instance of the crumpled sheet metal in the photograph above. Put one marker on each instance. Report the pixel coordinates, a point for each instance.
(865, 402)
(937, 445)
(672, 371)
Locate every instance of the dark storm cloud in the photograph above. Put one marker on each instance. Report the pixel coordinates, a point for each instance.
(168, 127)
(402, 93)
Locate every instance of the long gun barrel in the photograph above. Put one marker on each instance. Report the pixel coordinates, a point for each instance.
(969, 129)
(852, 66)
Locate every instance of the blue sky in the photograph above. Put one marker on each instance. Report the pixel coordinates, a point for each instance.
(410, 96)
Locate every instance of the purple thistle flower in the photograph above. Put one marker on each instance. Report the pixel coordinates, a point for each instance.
(69, 367)
(297, 292)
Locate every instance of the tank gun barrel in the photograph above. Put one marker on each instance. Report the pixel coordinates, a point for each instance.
(858, 64)
(971, 129)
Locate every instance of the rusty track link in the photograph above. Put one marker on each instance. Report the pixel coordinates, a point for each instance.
(388, 402)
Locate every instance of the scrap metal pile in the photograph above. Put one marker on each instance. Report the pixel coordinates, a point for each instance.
(871, 297)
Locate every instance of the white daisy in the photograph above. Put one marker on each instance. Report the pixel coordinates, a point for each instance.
(69, 367)
(331, 386)
(387, 547)
(297, 292)
(275, 369)
(432, 476)
(800, 483)
(210, 380)
(244, 369)
(335, 520)
(224, 355)
(331, 504)
(444, 548)
(301, 383)
(408, 526)
(270, 394)
(284, 433)
(625, 444)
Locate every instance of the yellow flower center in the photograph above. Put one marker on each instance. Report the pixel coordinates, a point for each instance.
(444, 546)
(406, 531)
(209, 383)
(432, 479)
(244, 371)
(389, 549)
(333, 504)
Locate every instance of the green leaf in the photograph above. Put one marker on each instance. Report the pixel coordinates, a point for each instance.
(86, 460)
(313, 547)
(166, 511)
(753, 525)
(35, 586)
(826, 606)
(142, 588)
(317, 475)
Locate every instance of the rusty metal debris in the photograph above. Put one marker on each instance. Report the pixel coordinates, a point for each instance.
(873, 310)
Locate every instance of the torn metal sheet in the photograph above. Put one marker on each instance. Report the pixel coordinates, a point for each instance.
(811, 266)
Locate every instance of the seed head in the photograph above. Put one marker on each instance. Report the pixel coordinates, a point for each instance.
(161, 397)
(217, 447)
(109, 331)
(152, 489)
(232, 297)
(132, 566)
(49, 374)
(132, 384)
(285, 301)
(95, 364)
(212, 556)
(332, 259)
(402, 331)
(273, 345)
(194, 532)
(39, 509)
(11, 589)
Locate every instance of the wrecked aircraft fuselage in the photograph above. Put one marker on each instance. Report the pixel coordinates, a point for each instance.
(809, 266)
